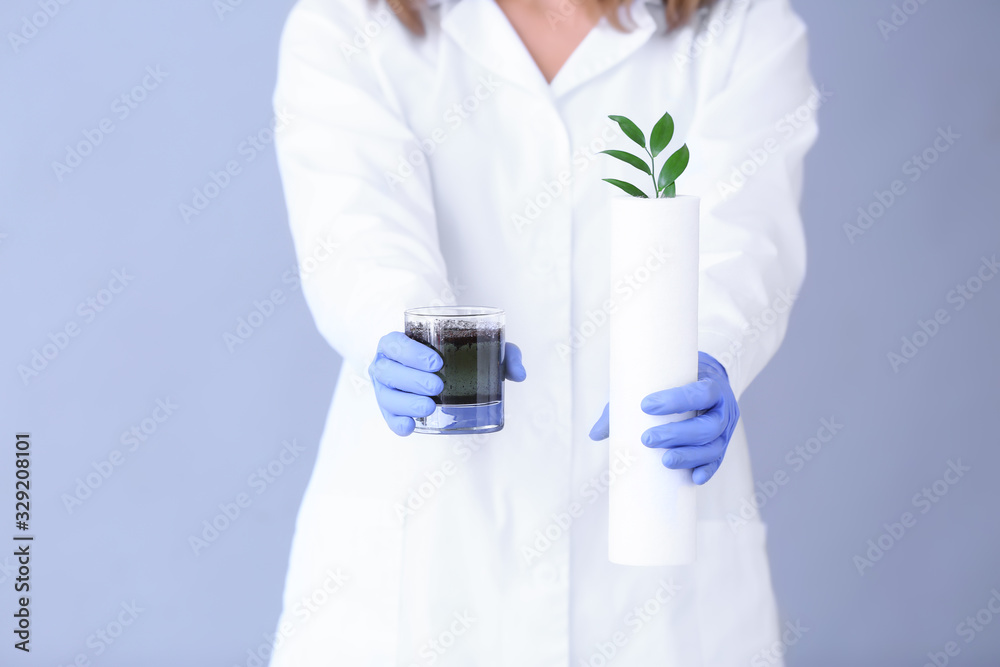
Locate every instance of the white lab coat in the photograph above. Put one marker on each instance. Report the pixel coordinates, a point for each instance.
(445, 169)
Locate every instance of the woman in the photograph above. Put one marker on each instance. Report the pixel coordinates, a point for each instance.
(448, 154)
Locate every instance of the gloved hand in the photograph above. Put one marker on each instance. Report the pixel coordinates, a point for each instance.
(699, 442)
(403, 375)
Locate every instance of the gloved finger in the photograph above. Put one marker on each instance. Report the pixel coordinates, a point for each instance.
(692, 431)
(700, 395)
(397, 376)
(399, 347)
(602, 429)
(401, 403)
(694, 456)
(702, 474)
(399, 425)
(513, 368)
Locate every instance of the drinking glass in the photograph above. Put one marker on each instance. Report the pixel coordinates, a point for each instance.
(470, 340)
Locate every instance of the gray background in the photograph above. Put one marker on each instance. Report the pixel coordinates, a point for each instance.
(162, 337)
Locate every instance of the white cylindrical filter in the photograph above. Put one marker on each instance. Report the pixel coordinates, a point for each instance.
(654, 346)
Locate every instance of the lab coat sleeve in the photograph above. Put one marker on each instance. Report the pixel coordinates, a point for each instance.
(747, 141)
(366, 237)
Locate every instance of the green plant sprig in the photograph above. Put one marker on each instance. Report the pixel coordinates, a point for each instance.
(665, 184)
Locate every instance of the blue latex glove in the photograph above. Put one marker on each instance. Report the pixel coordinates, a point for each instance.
(403, 375)
(699, 442)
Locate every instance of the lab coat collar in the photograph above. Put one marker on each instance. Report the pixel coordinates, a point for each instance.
(482, 30)
(435, 3)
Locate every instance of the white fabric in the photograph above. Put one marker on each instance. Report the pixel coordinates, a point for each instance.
(452, 550)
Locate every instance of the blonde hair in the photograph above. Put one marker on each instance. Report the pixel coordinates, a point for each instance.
(678, 12)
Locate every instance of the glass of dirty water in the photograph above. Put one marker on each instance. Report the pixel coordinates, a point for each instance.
(470, 340)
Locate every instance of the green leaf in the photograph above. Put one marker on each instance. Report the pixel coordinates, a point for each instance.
(673, 167)
(633, 160)
(661, 135)
(670, 190)
(627, 187)
(630, 130)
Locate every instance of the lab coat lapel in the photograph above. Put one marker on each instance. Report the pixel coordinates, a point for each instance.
(482, 30)
(604, 47)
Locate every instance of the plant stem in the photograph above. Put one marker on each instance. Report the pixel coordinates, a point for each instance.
(652, 160)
